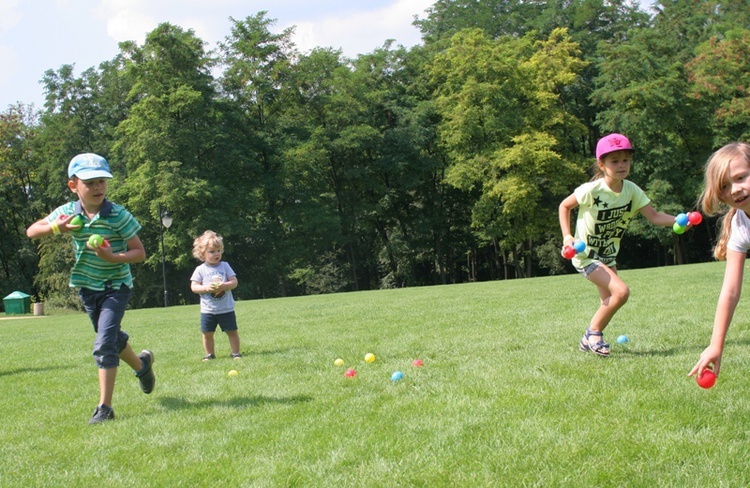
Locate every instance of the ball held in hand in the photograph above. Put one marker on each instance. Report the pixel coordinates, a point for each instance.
(77, 221)
(577, 248)
(96, 240)
(568, 252)
(706, 379)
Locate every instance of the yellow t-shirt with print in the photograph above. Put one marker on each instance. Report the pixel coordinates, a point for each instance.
(603, 218)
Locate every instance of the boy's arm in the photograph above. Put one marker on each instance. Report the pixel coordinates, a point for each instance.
(657, 218)
(42, 228)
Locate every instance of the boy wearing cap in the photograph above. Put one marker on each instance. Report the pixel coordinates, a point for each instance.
(102, 274)
(607, 204)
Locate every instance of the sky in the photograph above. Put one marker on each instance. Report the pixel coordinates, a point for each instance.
(37, 35)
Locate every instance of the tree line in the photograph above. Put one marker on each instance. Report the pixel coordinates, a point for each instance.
(442, 163)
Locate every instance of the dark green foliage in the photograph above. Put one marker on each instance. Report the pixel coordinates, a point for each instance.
(442, 163)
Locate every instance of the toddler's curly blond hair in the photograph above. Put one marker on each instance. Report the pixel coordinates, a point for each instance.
(207, 240)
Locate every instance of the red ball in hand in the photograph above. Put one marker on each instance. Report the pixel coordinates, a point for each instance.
(569, 252)
(706, 379)
(695, 218)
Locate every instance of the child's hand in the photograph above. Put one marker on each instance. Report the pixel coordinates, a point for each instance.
(710, 356)
(567, 243)
(572, 247)
(217, 290)
(61, 224)
(104, 251)
(69, 223)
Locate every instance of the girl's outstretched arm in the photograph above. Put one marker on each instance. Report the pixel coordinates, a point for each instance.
(657, 218)
(728, 299)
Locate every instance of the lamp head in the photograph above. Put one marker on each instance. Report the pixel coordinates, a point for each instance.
(166, 219)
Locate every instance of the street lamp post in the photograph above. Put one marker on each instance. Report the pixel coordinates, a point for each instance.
(166, 222)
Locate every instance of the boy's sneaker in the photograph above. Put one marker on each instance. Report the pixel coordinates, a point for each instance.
(146, 374)
(236, 355)
(208, 357)
(102, 414)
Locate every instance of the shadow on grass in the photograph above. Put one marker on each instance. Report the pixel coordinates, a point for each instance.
(265, 352)
(650, 352)
(42, 369)
(695, 349)
(179, 403)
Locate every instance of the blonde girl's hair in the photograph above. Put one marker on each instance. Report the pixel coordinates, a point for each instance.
(710, 200)
(207, 240)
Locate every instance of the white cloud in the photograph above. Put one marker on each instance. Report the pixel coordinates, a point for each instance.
(9, 62)
(127, 20)
(362, 32)
(132, 20)
(355, 32)
(9, 15)
(86, 32)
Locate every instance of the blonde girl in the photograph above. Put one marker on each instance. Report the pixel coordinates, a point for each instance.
(727, 189)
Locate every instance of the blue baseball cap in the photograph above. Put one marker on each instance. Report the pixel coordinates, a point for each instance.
(88, 166)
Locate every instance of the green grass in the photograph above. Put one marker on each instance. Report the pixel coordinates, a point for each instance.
(504, 398)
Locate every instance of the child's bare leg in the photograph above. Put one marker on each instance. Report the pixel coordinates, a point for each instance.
(234, 341)
(613, 292)
(107, 385)
(208, 343)
(107, 376)
(131, 358)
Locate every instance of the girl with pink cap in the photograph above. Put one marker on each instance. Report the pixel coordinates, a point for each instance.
(606, 204)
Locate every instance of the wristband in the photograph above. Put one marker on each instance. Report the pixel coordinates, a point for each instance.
(55, 228)
(566, 237)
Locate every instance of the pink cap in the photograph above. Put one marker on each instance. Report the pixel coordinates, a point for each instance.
(612, 143)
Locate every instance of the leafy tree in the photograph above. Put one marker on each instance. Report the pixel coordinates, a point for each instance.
(720, 76)
(496, 18)
(258, 89)
(18, 263)
(80, 116)
(503, 118)
(164, 152)
(438, 164)
(644, 91)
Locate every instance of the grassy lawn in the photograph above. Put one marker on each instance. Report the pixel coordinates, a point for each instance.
(504, 397)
